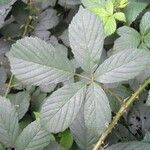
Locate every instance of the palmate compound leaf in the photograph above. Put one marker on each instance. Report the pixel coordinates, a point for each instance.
(35, 62)
(130, 146)
(9, 127)
(122, 66)
(97, 112)
(33, 137)
(86, 39)
(62, 107)
(84, 137)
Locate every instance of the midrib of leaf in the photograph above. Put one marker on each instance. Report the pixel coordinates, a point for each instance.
(113, 69)
(37, 62)
(67, 102)
(26, 146)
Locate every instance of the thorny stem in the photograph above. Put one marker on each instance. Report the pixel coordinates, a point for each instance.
(121, 111)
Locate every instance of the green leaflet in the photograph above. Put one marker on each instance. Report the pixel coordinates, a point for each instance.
(106, 12)
(9, 127)
(33, 137)
(84, 137)
(122, 66)
(35, 62)
(130, 38)
(61, 108)
(133, 9)
(87, 47)
(97, 112)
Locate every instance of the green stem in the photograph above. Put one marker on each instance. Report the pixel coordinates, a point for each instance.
(121, 111)
(79, 75)
(9, 85)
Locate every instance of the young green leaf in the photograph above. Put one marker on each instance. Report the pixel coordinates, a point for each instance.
(66, 140)
(33, 137)
(36, 62)
(120, 16)
(122, 66)
(9, 127)
(87, 45)
(109, 7)
(60, 109)
(110, 25)
(97, 112)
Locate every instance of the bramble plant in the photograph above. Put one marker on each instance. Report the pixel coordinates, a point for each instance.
(72, 82)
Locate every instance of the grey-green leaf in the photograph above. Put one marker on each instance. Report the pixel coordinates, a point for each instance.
(6, 2)
(61, 108)
(86, 39)
(21, 102)
(122, 66)
(35, 62)
(145, 24)
(33, 137)
(133, 9)
(129, 38)
(130, 146)
(47, 20)
(97, 112)
(9, 127)
(84, 137)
